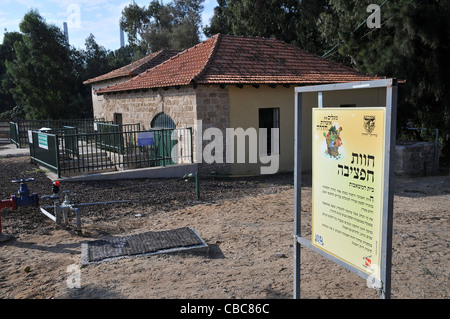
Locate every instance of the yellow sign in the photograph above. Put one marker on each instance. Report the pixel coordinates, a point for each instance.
(347, 190)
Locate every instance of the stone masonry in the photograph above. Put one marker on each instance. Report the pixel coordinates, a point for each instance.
(415, 158)
(185, 106)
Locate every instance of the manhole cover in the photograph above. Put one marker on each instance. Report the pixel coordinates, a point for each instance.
(177, 240)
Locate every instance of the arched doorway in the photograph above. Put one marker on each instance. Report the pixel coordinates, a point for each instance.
(163, 126)
(162, 120)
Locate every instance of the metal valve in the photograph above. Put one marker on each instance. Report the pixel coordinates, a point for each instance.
(55, 187)
(24, 198)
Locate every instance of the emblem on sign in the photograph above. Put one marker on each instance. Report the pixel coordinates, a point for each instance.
(369, 123)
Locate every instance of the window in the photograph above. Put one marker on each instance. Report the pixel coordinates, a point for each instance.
(270, 119)
(118, 118)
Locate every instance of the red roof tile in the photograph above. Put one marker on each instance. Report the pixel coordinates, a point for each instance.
(225, 59)
(136, 67)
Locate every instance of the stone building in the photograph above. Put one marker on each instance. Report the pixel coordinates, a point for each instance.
(226, 82)
(122, 74)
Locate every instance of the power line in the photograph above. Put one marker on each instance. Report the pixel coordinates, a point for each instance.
(357, 28)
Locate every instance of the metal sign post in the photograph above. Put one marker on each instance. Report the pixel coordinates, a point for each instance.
(343, 238)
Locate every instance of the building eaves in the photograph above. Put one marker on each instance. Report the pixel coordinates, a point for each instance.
(237, 60)
(136, 67)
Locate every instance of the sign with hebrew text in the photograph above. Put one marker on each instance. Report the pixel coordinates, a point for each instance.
(347, 189)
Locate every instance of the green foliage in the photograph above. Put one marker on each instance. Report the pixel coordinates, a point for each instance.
(41, 76)
(412, 45)
(42, 71)
(291, 21)
(15, 113)
(158, 26)
(7, 53)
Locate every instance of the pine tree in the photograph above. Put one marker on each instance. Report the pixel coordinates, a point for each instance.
(43, 72)
(291, 21)
(7, 53)
(412, 44)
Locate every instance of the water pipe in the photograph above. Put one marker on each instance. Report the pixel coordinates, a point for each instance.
(61, 210)
(23, 199)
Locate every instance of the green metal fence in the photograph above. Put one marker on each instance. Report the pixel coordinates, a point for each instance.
(14, 136)
(67, 154)
(44, 150)
(19, 129)
(114, 142)
(70, 135)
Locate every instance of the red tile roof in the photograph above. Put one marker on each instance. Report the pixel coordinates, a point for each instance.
(225, 59)
(136, 67)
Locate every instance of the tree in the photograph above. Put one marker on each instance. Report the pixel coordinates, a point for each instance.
(134, 22)
(412, 44)
(220, 22)
(186, 23)
(42, 77)
(95, 57)
(291, 21)
(43, 72)
(175, 25)
(7, 53)
(123, 56)
(273, 18)
(308, 34)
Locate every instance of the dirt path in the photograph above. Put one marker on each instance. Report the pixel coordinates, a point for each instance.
(248, 224)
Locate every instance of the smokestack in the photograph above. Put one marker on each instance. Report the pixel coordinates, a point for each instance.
(122, 40)
(66, 32)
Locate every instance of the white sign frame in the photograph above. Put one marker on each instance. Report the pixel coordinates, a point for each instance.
(387, 205)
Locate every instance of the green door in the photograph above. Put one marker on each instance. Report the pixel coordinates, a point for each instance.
(163, 126)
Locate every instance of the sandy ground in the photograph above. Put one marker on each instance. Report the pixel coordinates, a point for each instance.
(247, 223)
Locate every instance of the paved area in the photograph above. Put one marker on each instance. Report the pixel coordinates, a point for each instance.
(11, 150)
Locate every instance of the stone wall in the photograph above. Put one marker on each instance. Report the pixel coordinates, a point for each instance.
(213, 110)
(142, 106)
(415, 158)
(185, 106)
(98, 100)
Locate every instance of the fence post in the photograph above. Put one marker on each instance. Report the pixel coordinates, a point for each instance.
(58, 168)
(163, 147)
(19, 145)
(17, 134)
(31, 145)
(192, 146)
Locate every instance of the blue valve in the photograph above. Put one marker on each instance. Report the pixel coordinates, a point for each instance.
(24, 198)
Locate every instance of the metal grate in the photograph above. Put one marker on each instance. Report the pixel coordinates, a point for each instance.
(148, 243)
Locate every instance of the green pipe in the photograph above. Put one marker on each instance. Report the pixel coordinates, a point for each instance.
(197, 189)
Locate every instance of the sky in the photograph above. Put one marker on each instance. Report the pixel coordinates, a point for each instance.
(83, 17)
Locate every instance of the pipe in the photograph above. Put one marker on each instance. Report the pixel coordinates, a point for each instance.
(46, 213)
(11, 203)
(77, 214)
(99, 203)
(197, 188)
